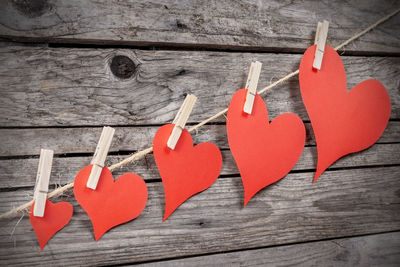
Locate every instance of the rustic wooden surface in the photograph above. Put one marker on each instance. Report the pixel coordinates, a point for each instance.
(375, 250)
(65, 87)
(58, 90)
(252, 25)
(344, 203)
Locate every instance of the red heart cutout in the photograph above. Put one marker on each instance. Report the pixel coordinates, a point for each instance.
(264, 152)
(112, 203)
(343, 122)
(55, 217)
(186, 170)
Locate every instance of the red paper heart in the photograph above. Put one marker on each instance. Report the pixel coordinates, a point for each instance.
(264, 152)
(112, 203)
(55, 217)
(186, 170)
(343, 122)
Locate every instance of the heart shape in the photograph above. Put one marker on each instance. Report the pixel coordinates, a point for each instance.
(343, 122)
(264, 152)
(186, 170)
(55, 217)
(112, 203)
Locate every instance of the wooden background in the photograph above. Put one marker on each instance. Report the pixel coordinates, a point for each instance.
(58, 87)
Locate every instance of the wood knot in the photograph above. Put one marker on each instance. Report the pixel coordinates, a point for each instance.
(31, 9)
(122, 67)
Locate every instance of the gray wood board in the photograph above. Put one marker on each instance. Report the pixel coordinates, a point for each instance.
(75, 87)
(257, 25)
(49, 87)
(27, 142)
(16, 173)
(342, 203)
(372, 250)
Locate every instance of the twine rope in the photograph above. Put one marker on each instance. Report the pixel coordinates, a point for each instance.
(141, 154)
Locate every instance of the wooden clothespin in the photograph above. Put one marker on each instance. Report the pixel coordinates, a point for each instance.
(320, 40)
(180, 120)
(100, 156)
(251, 86)
(42, 182)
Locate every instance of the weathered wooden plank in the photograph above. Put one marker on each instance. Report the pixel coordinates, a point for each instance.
(64, 87)
(344, 203)
(262, 25)
(16, 173)
(372, 250)
(27, 142)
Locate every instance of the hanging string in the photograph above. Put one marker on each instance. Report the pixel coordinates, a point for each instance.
(146, 151)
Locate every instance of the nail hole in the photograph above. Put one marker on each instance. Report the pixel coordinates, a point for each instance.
(181, 25)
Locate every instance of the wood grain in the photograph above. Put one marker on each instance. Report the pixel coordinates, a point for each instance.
(75, 87)
(372, 250)
(27, 142)
(341, 203)
(59, 98)
(15, 173)
(261, 25)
